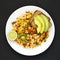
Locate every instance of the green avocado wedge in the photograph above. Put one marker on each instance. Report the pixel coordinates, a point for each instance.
(42, 23)
(38, 24)
(46, 22)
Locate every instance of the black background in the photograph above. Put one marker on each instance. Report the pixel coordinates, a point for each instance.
(7, 7)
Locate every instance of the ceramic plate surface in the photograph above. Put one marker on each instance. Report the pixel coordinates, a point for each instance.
(29, 51)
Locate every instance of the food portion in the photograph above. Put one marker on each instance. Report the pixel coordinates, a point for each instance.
(30, 29)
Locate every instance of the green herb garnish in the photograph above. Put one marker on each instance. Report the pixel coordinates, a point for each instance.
(19, 36)
(25, 41)
(25, 34)
(45, 39)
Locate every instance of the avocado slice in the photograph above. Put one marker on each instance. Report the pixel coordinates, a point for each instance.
(46, 22)
(38, 24)
(42, 23)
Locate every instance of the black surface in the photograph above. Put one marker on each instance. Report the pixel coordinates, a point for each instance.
(7, 7)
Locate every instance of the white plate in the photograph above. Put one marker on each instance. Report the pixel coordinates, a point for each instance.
(29, 51)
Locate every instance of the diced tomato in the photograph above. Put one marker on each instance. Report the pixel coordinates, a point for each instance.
(17, 40)
(31, 30)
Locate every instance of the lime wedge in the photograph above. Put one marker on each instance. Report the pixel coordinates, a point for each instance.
(12, 35)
